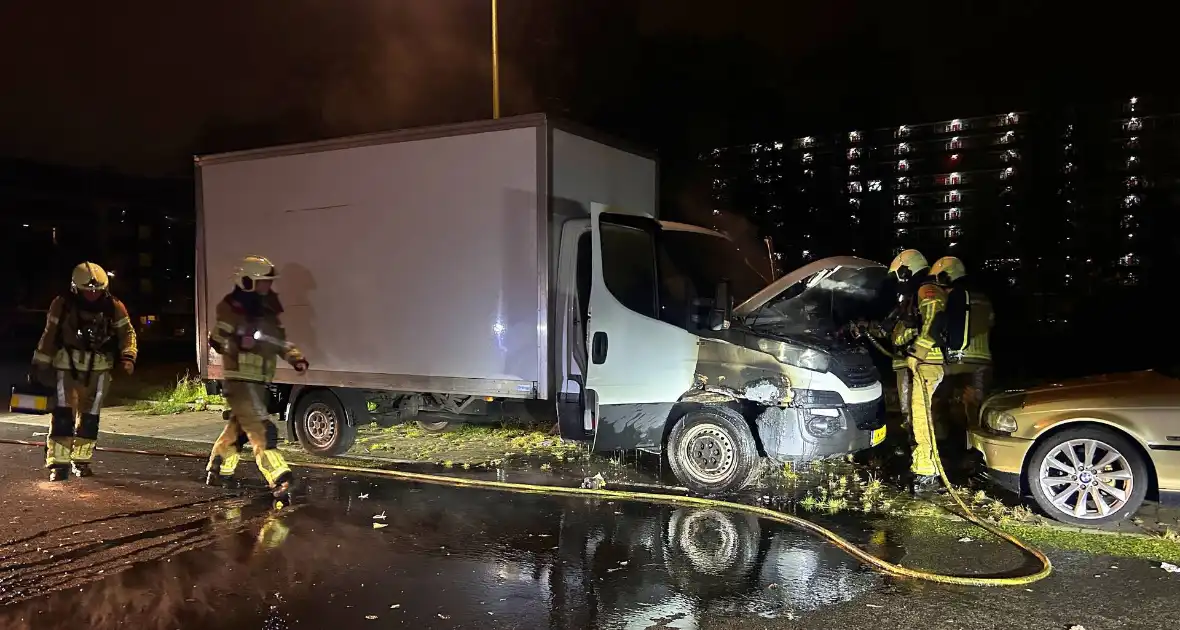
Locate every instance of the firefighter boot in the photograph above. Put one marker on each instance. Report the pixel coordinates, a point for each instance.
(59, 472)
(282, 490)
(926, 485)
(220, 472)
(81, 469)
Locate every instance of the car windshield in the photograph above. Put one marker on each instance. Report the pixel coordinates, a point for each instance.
(820, 305)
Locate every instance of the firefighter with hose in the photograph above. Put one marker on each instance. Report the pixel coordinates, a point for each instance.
(924, 358)
(250, 339)
(970, 318)
(87, 335)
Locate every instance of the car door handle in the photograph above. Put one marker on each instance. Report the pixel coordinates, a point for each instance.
(598, 349)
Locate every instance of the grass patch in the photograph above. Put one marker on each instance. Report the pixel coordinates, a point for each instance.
(465, 445)
(1098, 542)
(188, 394)
(834, 487)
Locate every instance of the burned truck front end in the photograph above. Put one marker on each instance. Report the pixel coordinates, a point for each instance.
(802, 403)
(808, 389)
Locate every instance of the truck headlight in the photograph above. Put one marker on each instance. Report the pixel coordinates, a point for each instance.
(797, 356)
(824, 423)
(1000, 421)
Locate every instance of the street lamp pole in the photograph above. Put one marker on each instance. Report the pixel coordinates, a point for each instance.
(495, 63)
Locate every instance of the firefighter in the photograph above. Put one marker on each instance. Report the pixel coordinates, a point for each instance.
(250, 339)
(969, 323)
(922, 348)
(87, 334)
(910, 270)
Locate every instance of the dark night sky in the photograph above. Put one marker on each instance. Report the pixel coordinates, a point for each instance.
(139, 85)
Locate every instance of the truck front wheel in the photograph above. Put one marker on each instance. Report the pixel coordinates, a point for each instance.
(321, 424)
(712, 451)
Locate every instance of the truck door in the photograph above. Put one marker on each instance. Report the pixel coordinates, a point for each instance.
(638, 366)
(572, 304)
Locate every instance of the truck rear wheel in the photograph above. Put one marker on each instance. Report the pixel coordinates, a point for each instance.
(321, 424)
(436, 426)
(712, 451)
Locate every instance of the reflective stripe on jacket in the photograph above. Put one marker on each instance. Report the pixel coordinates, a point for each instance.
(977, 327)
(931, 304)
(63, 342)
(236, 327)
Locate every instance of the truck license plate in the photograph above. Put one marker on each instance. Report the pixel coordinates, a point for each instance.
(878, 436)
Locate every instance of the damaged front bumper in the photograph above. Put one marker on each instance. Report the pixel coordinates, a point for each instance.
(805, 433)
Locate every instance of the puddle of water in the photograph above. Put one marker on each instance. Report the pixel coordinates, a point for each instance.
(447, 557)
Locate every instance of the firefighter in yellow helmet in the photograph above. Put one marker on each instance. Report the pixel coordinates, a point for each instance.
(970, 318)
(909, 269)
(250, 339)
(87, 335)
(921, 345)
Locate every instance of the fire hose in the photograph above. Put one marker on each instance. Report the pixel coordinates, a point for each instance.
(845, 545)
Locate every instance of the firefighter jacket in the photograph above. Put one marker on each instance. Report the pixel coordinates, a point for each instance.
(906, 321)
(970, 318)
(902, 336)
(82, 336)
(250, 338)
(928, 344)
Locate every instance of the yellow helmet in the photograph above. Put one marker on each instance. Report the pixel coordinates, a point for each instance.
(252, 269)
(948, 269)
(88, 276)
(907, 264)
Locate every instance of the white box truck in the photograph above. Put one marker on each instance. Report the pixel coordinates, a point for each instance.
(438, 274)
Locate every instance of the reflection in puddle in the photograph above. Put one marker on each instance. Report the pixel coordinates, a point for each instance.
(456, 557)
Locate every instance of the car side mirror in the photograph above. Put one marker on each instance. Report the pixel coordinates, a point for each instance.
(722, 308)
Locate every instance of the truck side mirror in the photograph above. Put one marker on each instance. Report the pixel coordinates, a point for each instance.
(722, 308)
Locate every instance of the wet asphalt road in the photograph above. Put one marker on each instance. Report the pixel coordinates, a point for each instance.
(145, 546)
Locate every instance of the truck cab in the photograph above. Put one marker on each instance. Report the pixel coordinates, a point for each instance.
(676, 344)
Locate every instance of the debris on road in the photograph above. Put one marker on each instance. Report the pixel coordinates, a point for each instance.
(1169, 567)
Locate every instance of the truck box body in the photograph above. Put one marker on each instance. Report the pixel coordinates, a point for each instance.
(419, 260)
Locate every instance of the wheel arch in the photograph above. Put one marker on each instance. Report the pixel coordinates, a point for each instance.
(1081, 423)
(688, 404)
(353, 402)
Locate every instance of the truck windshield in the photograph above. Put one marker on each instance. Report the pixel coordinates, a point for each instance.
(820, 306)
(691, 264)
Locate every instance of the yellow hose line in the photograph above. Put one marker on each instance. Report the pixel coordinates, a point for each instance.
(769, 514)
(848, 547)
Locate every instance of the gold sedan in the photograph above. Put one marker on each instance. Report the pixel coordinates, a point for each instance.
(1088, 450)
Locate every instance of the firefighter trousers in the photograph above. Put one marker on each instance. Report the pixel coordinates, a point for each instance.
(73, 426)
(249, 418)
(976, 379)
(904, 391)
(925, 381)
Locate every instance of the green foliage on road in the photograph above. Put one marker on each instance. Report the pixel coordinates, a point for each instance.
(466, 445)
(1121, 544)
(188, 394)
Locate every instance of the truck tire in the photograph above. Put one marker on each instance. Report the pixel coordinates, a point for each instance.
(436, 426)
(321, 424)
(712, 451)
